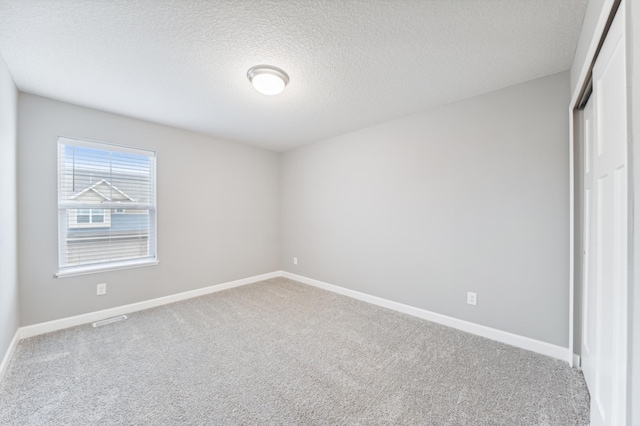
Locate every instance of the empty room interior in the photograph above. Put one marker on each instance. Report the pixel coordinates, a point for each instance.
(319, 212)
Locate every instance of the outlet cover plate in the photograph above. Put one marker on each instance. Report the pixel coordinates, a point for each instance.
(472, 298)
(101, 289)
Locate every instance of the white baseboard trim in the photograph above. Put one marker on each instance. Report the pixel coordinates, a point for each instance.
(9, 353)
(576, 362)
(47, 327)
(527, 343)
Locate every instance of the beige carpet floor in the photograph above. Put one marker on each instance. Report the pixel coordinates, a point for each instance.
(283, 353)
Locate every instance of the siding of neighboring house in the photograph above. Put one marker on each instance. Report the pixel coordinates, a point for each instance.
(127, 235)
(88, 250)
(91, 197)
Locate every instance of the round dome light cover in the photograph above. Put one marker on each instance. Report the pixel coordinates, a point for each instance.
(267, 79)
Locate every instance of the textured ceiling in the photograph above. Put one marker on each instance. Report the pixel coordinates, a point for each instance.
(352, 64)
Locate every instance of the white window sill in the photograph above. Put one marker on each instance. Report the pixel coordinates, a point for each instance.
(103, 267)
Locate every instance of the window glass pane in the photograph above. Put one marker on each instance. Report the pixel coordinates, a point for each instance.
(83, 216)
(106, 181)
(97, 216)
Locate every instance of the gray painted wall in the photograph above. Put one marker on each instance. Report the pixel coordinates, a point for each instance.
(218, 217)
(472, 196)
(9, 312)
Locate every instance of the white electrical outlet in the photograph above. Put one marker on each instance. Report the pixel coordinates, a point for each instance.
(295, 260)
(102, 289)
(472, 298)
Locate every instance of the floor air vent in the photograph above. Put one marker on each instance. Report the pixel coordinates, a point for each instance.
(109, 320)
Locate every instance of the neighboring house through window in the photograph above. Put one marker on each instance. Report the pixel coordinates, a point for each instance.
(99, 192)
(106, 205)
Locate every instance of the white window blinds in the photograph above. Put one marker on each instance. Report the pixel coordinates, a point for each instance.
(106, 206)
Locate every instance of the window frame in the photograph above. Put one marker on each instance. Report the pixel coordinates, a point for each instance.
(108, 209)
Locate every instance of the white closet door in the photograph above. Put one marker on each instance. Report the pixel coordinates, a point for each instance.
(606, 284)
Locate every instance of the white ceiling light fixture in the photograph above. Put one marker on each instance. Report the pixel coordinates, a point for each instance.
(267, 79)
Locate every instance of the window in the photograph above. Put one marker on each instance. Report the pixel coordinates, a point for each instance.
(88, 217)
(106, 207)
